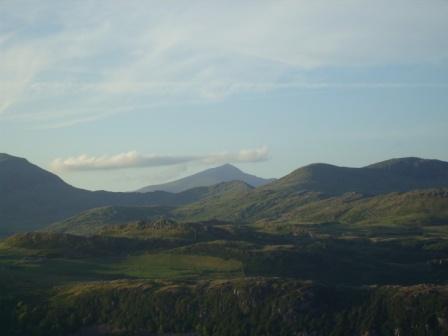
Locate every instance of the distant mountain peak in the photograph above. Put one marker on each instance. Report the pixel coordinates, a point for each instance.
(228, 166)
(223, 169)
(209, 177)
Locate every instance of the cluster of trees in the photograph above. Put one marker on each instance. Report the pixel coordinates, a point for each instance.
(251, 306)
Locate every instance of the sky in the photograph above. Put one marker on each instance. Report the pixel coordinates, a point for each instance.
(117, 95)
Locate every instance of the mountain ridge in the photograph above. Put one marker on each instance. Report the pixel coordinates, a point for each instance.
(33, 197)
(316, 182)
(401, 174)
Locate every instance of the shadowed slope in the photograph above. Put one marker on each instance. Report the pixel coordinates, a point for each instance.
(32, 197)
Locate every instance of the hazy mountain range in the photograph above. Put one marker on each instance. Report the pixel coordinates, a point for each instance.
(33, 197)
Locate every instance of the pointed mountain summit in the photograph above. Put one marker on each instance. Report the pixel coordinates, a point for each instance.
(209, 177)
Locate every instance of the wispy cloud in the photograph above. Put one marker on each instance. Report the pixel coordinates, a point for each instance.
(133, 159)
(18, 68)
(135, 52)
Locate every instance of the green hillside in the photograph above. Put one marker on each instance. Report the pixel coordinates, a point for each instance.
(165, 228)
(285, 198)
(424, 207)
(90, 221)
(59, 245)
(420, 211)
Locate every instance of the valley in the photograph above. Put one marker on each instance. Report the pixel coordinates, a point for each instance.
(293, 257)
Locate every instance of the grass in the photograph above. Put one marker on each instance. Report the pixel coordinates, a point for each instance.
(26, 269)
(170, 266)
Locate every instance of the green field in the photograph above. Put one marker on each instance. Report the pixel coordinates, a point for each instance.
(20, 265)
(170, 266)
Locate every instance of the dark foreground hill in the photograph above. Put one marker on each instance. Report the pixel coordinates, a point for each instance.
(209, 177)
(147, 284)
(32, 197)
(239, 307)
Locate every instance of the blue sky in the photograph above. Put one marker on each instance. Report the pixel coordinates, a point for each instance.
(120, 94)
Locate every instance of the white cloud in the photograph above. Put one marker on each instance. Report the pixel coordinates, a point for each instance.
(95, 56)
(243, 156)
(133, 159)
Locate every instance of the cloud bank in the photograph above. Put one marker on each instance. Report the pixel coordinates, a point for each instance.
(77, 61)
(133, 159)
